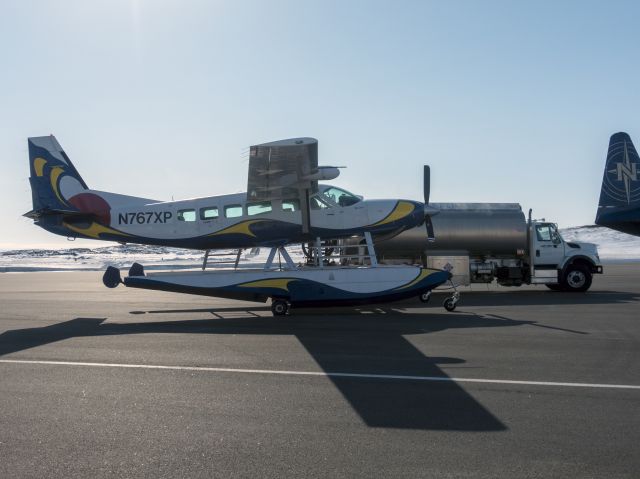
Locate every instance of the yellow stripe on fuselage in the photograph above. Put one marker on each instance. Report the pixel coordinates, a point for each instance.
(94, 230)
(241, 228)
(269, 283)
(422, 275)
(402, 210)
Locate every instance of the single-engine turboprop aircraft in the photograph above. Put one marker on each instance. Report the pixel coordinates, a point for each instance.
(283, 204)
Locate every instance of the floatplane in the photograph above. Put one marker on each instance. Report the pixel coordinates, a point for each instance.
(284, 204)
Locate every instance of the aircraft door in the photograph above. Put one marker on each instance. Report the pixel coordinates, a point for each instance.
(186, 224)
(209, 219)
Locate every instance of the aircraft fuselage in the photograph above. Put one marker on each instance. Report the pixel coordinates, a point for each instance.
(226, 221)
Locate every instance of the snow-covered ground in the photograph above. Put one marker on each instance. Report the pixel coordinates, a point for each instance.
(612, 245)
(122, 256)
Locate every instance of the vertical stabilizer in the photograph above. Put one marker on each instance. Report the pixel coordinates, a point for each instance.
(619, 205)
(53, 177)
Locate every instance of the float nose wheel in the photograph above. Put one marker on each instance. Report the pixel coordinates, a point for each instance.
(451, 302)
(424, 297)
(279, 307)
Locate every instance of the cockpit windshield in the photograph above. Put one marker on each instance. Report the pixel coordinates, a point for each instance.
(339, 196)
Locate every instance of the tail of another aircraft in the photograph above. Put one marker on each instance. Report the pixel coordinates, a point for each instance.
(619, 205)
(55, 182)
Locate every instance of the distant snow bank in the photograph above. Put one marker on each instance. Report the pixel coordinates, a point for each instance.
(612, 246)
(123, 256)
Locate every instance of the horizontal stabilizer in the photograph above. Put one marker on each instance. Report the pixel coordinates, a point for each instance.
(36, 214)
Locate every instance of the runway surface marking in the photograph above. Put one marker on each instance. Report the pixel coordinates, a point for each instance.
(322, 374)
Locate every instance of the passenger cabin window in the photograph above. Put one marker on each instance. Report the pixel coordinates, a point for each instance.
(187, 215)
(340, 197)
(209, 213)
(258, 208)
(290, 205)
(233, 211)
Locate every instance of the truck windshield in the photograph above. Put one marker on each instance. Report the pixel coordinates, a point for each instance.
(555, 235)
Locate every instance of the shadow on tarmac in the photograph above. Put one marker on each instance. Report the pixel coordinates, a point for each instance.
(351, 342)
(542, 298)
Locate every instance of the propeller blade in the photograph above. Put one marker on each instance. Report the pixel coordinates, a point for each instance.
(426, 183)
(431, 237)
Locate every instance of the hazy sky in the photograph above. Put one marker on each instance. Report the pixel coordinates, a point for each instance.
(507, 101)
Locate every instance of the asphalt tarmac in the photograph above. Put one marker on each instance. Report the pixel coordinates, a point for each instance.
(520, 382)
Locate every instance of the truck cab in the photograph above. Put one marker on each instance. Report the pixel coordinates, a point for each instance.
(560, 265)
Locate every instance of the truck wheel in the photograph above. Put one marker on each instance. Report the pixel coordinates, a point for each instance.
(425, 297)
(279, 307)
(577, 278)
(449, 304)
(554, 287)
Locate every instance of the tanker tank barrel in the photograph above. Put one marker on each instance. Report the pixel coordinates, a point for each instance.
(472, 228)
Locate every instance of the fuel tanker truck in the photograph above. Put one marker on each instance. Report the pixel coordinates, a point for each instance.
(483, 242)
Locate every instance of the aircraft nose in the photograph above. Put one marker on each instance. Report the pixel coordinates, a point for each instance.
(418, 213)
(415, 216)
(397, 214)
(410, 213)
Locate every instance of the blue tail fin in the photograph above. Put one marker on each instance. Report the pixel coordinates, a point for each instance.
(619, 205)
(53, 178)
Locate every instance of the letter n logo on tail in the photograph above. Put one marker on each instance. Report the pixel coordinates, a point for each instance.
(626, 172)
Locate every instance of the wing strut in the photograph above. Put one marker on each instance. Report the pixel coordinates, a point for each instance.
(305, 211)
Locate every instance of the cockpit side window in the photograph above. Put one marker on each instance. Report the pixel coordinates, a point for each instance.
(340, 197)
(317, 204)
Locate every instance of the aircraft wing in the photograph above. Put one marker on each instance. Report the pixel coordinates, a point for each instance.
(283, 169)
